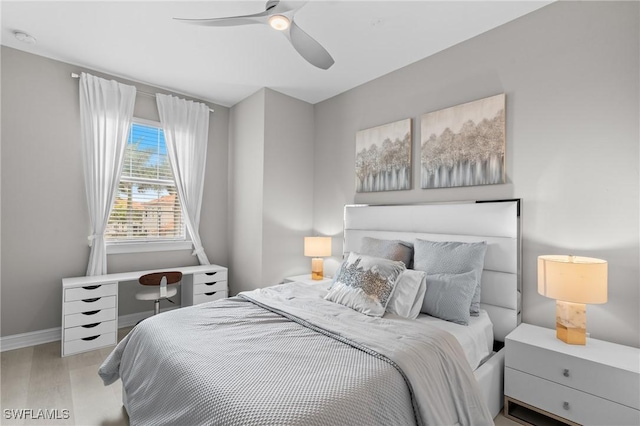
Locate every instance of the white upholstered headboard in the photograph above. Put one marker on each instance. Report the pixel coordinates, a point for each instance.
(496, 222)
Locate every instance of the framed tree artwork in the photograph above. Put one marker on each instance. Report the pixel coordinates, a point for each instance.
(383, 157)
(464, 145)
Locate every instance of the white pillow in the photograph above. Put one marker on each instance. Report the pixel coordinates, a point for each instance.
(408, 296)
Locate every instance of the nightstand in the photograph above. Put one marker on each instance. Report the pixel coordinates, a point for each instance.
(549, 381)
(307, 279)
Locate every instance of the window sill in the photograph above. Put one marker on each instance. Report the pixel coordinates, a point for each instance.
(121, 248)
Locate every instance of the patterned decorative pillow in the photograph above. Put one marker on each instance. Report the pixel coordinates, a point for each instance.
(408, 296)
(452, 257)
(448, 296)
(365, 283)
(389, 249)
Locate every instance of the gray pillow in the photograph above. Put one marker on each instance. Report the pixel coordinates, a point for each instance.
(452, 257)
(448, 296)
(388, 249)
(365, 283)
(408, 296)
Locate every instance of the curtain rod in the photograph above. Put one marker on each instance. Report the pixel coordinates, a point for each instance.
(153, 95)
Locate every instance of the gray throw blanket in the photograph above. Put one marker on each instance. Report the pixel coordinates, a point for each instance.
(285, 356)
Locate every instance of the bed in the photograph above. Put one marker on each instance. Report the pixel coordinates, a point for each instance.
(287, 355)
(498, 223)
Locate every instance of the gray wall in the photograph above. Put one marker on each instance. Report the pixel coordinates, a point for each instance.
(270, 188)
(44, 215)
(570, 72)
(288, 187)
(246, 170)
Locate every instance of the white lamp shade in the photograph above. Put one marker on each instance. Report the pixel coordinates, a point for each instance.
(573, 279)
(317, 246)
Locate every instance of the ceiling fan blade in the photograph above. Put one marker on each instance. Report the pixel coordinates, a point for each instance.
(309, 48)
(220, 22)
(230, 21)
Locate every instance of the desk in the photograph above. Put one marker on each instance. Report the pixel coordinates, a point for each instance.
(90, 304)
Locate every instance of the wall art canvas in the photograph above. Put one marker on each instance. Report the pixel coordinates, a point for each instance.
(383, 157)
(464, 145)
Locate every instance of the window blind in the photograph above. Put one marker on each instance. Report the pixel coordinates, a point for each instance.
(147, 207)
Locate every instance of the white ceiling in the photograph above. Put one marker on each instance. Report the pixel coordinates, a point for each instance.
(141, 42)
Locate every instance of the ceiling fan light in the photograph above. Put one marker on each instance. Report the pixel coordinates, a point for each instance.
(279, 22)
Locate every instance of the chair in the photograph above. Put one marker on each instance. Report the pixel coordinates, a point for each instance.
(161, 289)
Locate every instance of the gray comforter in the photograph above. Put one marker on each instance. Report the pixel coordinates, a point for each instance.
(285, 356)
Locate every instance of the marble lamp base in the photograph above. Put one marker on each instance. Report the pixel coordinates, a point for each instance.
(317, 272)
(571, 322)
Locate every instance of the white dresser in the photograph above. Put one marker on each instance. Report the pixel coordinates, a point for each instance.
(205, 287)
(89, 317)
(90, 304)
(594, 384)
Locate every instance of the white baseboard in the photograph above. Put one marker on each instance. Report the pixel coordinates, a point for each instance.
(23, 340)
(33, 338)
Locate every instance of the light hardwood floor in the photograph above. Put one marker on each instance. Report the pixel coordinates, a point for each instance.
(38, 378)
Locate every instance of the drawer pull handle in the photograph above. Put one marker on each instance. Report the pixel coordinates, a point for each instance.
(210, 294)
(91, 325)
(211, 273)
(90, 312)
(92, 287)
(86, 339)
(565, 372)
(565, 405)
(95, 299)
(211, 283)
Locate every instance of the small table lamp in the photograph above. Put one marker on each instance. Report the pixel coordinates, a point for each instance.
(317, 247)
(573, 281)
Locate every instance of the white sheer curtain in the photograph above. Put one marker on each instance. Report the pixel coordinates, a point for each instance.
(106, 109)
(186, 130)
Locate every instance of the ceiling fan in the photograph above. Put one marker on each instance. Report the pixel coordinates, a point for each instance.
(279, 17)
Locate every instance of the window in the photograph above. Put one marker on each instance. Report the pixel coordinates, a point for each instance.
(147, 208)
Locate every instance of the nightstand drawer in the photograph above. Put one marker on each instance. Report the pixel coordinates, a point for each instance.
(208, 277)
(90, 292)
(209, 297)
(88, 305)
(209, 287)
(89, 343)
(571, 404)
(88, 330)
(576, 372)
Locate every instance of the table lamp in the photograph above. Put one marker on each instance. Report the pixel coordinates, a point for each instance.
(316, 248)
(572, 281)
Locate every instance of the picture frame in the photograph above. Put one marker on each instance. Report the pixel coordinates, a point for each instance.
(383, 157)
(464, 145)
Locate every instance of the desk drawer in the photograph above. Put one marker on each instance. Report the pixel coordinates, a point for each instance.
(88, 305)
(579, 373)
(89, 343)
(207, 277)
(90, 292)
(208, 297)
(209, 287)
(563, 401)
(91, 317)
(88, 330)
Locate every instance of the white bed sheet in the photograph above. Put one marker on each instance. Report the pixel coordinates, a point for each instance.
(476, 338)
